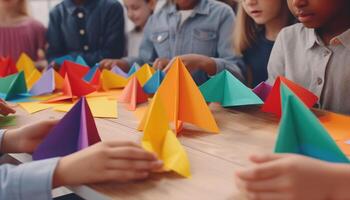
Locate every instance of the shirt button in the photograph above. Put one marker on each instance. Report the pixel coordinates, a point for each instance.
(86, 47)
(319, 81)
(80, 15)
(82, 32)
(159, 38)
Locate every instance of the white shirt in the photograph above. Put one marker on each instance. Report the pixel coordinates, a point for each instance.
(185, 14)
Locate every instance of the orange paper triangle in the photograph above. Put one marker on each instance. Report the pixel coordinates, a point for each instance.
(273, 101)
(183, 101)
(110, 80)
(133, 94)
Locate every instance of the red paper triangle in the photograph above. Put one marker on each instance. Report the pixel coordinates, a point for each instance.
(73, 68)
(273, 101)
(7, 67)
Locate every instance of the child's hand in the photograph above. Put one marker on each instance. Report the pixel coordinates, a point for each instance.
(105, 162)
(194, 62)
(5, 109)
(27, 138)
(109, 63)
(160, 63)
(292, 177)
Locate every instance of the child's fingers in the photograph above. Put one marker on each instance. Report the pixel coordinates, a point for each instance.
(131, 153)
(5, 109)
(260, 172)
(138, 165)
(267, 185)
(262, 158)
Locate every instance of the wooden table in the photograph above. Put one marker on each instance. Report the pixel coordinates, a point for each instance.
(213, 157)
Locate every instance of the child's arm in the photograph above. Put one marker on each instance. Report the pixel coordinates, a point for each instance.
(294, 177)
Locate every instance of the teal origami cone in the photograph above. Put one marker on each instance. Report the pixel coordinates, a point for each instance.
(225, 89)
(13, 85)
(301, 132)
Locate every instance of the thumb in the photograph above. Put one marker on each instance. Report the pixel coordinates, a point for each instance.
(262, 158)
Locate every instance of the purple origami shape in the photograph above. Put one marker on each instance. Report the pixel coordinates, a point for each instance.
(119, 71)
(262, 90)
(45, 85)
(75, 131)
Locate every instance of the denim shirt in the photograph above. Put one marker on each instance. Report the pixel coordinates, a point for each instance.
(207, 32)
(94, 30)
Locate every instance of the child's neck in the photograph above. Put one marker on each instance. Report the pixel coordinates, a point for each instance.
(10, 17)
(336, 27)
(79, 2)
(273, 27)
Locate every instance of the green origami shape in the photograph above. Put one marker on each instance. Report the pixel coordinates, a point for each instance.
(228, 91)
(13, 85)
(300, 132)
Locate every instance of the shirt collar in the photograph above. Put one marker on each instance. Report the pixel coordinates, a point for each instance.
(87, 6)
(344, 38)
(313, 39)
(201, 8)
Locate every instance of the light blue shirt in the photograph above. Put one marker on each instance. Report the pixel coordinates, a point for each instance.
(29, 181)
(208, 31)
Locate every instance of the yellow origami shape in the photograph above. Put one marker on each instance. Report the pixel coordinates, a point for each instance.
(31, 73)
(160, 139)
(183, 101)
(110, 80)
(144, 74)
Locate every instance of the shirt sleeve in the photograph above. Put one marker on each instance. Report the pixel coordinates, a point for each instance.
(276, 66)
(226, 58)
(29, 181)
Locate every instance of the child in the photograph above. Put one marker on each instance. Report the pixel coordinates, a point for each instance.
(138, 12)
(302, 53)
(19, 32)
(93, 29)
(195, 30)
(103, 162)
(316, 53)
(258, 24)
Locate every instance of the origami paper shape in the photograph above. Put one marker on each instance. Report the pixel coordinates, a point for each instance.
(133, 94)
(160, 139)
(45, 85)
(337, 125)
(100, 107)
(183, 101)
(300, 132)
(7, 67)
(262, 90)
(74, 68)
(80, 60)
(119, 71)
(273, 101)
(111, 80)
(144, 74)
(152, 85)
(73, 87)
(75, 131)
(31, 73)
(133, 69)
(60, 60)
(93, 76)
(228, 91)
(13, 85)
(59, 81)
